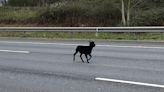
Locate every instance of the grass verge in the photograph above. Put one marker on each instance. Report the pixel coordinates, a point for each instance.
(86, 35)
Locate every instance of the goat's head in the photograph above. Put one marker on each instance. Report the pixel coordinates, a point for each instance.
(92, 44)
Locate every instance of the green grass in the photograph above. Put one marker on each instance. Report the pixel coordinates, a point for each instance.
(85, 35)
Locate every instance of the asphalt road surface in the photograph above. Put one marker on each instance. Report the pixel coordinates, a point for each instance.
(47, 66)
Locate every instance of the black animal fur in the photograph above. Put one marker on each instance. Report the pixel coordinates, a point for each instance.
(87, 50)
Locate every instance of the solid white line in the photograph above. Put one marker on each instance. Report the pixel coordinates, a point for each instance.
(119, 46)
(66, 44)
(14, 51)
(130, 82)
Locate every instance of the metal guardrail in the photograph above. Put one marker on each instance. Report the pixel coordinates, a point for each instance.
(82, 29)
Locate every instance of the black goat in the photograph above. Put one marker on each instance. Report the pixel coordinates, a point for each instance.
(87, 50)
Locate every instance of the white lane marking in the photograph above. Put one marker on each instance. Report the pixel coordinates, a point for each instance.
(66, 44)
(119, 46)
(14, 51)
(130, 82)
(37, 43)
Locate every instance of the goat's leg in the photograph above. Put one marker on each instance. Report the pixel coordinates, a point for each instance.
(87, 58)
(90, 56)
(81, 57)
(74, 55)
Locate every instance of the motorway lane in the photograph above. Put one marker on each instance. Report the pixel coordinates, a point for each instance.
(55, 60)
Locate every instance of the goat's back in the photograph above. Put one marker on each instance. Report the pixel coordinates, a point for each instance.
(84, 49)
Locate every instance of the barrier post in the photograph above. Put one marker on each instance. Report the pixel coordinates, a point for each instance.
(97, 30)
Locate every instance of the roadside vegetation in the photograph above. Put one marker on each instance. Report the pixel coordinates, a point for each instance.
(83, 35)
(17, 15)
(82, 13)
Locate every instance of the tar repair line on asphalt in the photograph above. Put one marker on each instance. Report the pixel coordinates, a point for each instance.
(130, 82)
(14, 51)
(64, 44)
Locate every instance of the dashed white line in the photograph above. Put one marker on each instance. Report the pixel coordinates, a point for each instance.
(40, 43)
(130, 82)
(14, 51)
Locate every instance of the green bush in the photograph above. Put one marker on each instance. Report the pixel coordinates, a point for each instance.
(27, 3)
(64, 14)
(80, 13)
(16, 14)
(149, 18)
(21, 2)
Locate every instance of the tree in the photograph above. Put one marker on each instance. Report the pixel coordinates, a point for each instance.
(126, 8)
(4, 2)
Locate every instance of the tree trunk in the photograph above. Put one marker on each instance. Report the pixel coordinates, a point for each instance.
(128, 13)
(123, 12)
